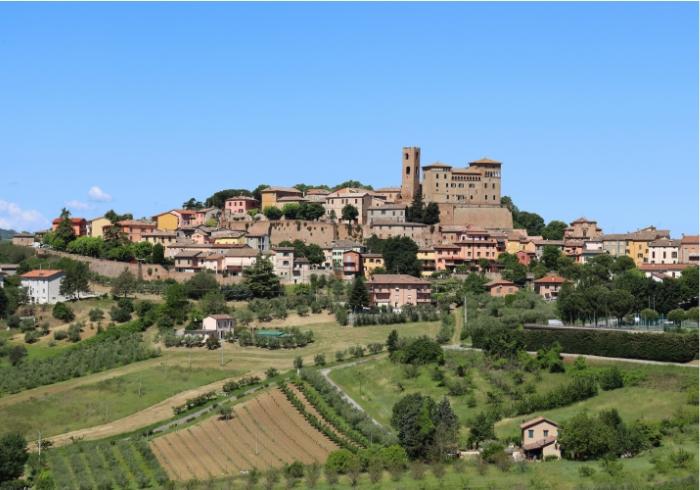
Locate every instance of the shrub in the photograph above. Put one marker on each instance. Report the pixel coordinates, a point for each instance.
(63, 312)
(31, 337)
(60, 334)
(319, 360)
(341, 316)
(668, 346)
(610, 378)
(422, 350)
(586, 471)
(119, 314)
(74, 332)
(271, 372)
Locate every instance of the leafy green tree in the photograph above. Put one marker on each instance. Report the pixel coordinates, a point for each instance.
(158, 254)
(63, 312)
(431, 215)
(16, 354)
(200, 284)
(218, 199)
(13, 456)
(401, 256)
(412, 417)
(192, 203)
(392, 341)
(676, 316)
(445, 442)
(261, 279)
(86, 245)
(480, 429)
(4, 303)
(272, 213)
(554, 230)
(64, 233)
(213, 302)
(124, 284)
(349, 213)
(311, 211)
(416, 211)
(550, 257)
(649, 315)
(290, 210)
(176, 302)
(619, 303)
(355, 184)
(359, 297)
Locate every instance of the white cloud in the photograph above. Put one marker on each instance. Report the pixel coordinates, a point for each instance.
(75, 204)
(14, 217)
(97, 194)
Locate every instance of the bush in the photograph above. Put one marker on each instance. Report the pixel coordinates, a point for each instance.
(319, 360)
(341, 316)
(581, 387)
(60, 334)
(422, 350)
(119, 314)
(96, 315)
(63, 312)
(74, 332)
(669, 347)
(31, 337)
(586, 471)
(610, 378)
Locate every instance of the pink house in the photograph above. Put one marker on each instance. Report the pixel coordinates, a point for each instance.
(241, 204)
(548, 287)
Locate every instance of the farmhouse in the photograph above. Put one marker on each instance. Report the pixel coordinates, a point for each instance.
(539, 438)
(217, 325)
(548, 287)
(398, 290)
(501, 287)
(43, 286)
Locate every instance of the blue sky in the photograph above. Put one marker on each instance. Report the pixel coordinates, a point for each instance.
(593, 108)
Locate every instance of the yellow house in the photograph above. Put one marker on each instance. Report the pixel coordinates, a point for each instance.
(513, 246)
(427, 260)
(167, 221)
(370, 262)
(270, 195)
(230, 240)
(637, 250)
(97, 226)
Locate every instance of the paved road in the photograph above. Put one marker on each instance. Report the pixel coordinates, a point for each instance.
(591, 357)
(325, 373)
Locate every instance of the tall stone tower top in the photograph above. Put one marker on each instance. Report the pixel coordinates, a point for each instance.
(410, 172)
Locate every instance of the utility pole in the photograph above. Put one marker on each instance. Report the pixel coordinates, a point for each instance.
(222, 355)
(39, 444)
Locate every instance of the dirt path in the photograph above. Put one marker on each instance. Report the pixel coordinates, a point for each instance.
(692, 364)
(155, 413)
(325, 373)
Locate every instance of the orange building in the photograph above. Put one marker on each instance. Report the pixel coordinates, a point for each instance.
(79, 225)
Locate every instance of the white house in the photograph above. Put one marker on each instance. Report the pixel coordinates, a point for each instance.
(664, 251)
(43, 286)
(218, 325)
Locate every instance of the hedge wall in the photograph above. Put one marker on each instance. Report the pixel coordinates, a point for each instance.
(669, 347)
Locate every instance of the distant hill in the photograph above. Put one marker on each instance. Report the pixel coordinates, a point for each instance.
(6, 234)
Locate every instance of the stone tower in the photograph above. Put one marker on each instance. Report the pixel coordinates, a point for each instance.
(410, 173)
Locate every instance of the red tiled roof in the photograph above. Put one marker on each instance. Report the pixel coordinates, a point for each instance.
(499, 282)
(663, 267)
(535, 421)
(74, 221)
(41, 274)
(550, 280)
(690, 240)
(485, 160)
(396, 279)
(540, 443)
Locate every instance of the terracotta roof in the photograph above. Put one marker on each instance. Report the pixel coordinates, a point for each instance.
(540, 443)
(446, 245)
(664, 267)
(486, 160)
(468, 170)
(396, 279)
(42, 274)
(184, 211)
(535, 421)
(242, 252)
(690, 240)
(372, 256)
(221, 316)
(23, 235)
(291, 199)
(664, 242)
(282, 189)
(389, 189)
(241, 198)
(261, 228)
(550, 280)
(583, 219)
(283, 249)
(187, 254)
(74, 221)
(317, 191)
(160, 233)
(499, 282)
(133, 222)
(452, 228)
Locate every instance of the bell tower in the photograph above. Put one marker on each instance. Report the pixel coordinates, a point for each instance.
(410, 173)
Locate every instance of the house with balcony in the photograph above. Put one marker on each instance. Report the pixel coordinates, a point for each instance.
(398, 290)
(549, 286)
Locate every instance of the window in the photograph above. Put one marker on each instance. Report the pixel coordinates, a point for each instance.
(530, 433)
(408, 170)
(405, 156)
(545, 432)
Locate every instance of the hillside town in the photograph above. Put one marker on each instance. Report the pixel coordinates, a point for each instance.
(456, 217)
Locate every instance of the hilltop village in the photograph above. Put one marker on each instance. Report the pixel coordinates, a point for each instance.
(431, 335)
(456, 217)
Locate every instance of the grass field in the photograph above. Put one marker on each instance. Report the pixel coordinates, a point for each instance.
(103, 401)
(378, 385)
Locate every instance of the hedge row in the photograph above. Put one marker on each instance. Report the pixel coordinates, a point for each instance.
(329, 415)
(317, 424)
(669, 347)
(581, 387)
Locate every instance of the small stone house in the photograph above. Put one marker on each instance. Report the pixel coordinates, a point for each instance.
(217, 325)
(539, 438)
(500, 288)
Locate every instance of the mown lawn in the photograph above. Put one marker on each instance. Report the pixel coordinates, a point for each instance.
(104, 401)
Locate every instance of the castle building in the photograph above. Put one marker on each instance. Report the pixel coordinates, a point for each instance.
(410, 176)
(479, 183)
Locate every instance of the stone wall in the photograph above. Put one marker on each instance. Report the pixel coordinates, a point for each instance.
(489, 217)
(318, 232)
(149, 272)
